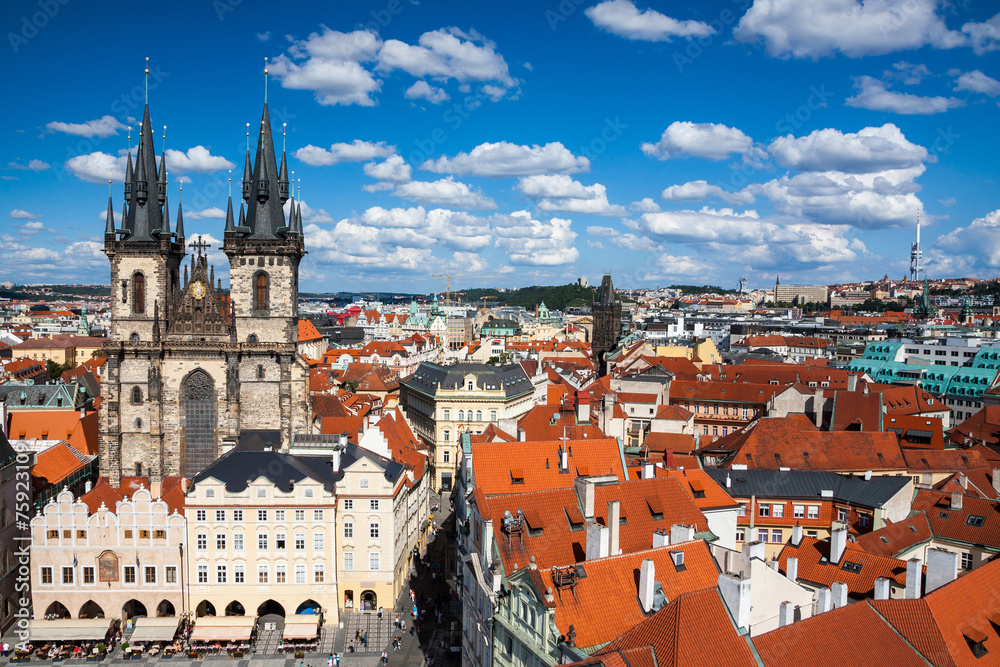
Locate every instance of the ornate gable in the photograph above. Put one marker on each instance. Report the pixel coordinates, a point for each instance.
(198, 309)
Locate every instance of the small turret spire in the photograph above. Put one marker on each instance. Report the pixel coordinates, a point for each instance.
(247, 170)
(230, 225)
(265, 79)
(165, 232)
(109, 228)
(180, 216)
(161, 177)
(283, 171)
(129, 175)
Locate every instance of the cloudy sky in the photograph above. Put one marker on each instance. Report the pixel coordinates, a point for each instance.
(530, 141)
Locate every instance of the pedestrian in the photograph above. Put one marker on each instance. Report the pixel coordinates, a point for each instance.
(413, 629)
(402, 625)
(336, 660)
(385, 658)
(329, 662)
(366, 640)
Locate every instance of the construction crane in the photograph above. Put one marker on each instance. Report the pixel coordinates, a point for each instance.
(448, 277)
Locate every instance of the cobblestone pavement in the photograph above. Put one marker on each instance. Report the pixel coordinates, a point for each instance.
(432, 582)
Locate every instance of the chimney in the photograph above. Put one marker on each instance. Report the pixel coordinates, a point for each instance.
(838, 541)
(818, 408)
(585, 493)
(735, 590)
(88, 486)
(796, 535)
(647, 572)
(184, 485)
(660, 539)
(755, 550)
(824, 601)
(996, 481)
(563, 459)
(343, 439)
(792, 568)
(614, 516)
(648, 471)
(496, 581)
(335, 460)
(942, 568)
(882, 588)
(521, 436)
(914, 576)
(583, 407)
(963, 479)
(155, 489)
(597, 541)
(487, 544)
(668, 457)
(680, 533)
(839, 590)
(868, 475)
(786, 614)
(956, 501)
(852, 382)
(729, 481)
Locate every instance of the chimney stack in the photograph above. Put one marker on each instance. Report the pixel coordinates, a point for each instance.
(838, 541)
(882, 588)
(597, 541)
(583, 407)
(335, 460)
(660, 539)
(648, 471)
(521, 435)
(824, 601)
(647, 582)
(786, 614)
(614, 517)
(956, 502)
(839, 590)
(942, 568)
(563, 459)
(796, 535)
(680, 533)
(996, 481)
(487, 544)
(735, 590)
(852, 382)
(585, 493)
(792, 568)
(914, 578)
(963, 480)
(755, 550)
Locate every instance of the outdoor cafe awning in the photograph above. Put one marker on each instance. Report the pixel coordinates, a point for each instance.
(301, 626)
(156, 629)
(68, 630)
(222, 628)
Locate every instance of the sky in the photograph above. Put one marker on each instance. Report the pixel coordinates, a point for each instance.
(512, 143)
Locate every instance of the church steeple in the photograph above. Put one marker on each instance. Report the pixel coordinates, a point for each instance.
(230, 225)
(180, 220)
(109, 227)
(283, 171)
(144, 215)
(264, 213)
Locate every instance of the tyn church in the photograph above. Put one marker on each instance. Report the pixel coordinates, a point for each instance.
(190, 368)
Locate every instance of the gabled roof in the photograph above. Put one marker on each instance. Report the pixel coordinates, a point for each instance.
(673, 412)
(944, 460)
(958, 525)
(551, 422)
(59, 462)
(676, 442)
(693, 630)
(809, 485)
(493, 463)
(171, 492)
(897, 538)
(814, 566)
(851, 635)
(79, 432)
(604, 604)
(723, 392)
(308, 332)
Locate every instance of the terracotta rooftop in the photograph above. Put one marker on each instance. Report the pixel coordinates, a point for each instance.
(308, 332)
(897, 538)
(676, 442)
(977, 522)
(58, 462)
(171, 492)
(495, 462)
(79, 432)
(815, 567)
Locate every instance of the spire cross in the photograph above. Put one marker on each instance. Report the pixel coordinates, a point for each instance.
(248, 137)
(147, 79)
(265, 79)
(200, 245)
(283, 126)
(230, 183)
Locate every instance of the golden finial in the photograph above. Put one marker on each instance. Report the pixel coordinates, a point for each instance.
(283, 128)
(230, 183)
(248, 137)
(265, 79)
(147, 80)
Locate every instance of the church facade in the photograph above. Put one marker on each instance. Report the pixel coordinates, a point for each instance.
(190, 367)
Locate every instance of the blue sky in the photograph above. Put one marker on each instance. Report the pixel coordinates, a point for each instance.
(534, 141)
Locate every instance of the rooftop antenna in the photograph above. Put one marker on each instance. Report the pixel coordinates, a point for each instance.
(265, 79)
(147, 80)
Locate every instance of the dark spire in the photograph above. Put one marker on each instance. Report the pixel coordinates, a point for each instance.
(242, 226)
(606, 295)
(298, 218)
(144, 216)
(109, 228)
(283, 179)
(180, 221)
(165, 232)
(264, 213)
(230, 225)
(128, 175)
(161, 178)
(247, 175)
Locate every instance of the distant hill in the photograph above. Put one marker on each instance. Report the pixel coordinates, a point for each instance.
(556, 297)
(700, 289)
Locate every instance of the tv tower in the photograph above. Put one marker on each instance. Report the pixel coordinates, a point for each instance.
(915, 254)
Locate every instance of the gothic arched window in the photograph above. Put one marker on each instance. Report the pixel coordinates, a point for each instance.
(199, 422)
(135, 338)
(461, 415)
(136, 395)
(138, 422)
(139, 294)
(479, 415)
(260, 372)
(260, 291)
(252, 338)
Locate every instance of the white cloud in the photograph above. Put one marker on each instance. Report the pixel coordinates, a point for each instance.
(446, 192)
(984, 36)
(21, 214)
(980, 240)
(678, 267)
(329, 64)
(264, 36)
(208, 213)
(870, 149)
(469, 262)
(791, 28)
(532, 242)
(948, 201)
(978, 82)
(103, 215)
(909, 73)
(197, 159)
(377, 216)
(645, 205)
(699, 190)
(713, 141)
(503, 159)
(97, 167)
(421, 90)
(356, 151)
(104, 126)
(309, 214)
(33, 165)
(873, 95)
(622, 18)
(447, 53)
(394, 169)
(597, 230)
(720, 226)
(558, 192)
(79, 260)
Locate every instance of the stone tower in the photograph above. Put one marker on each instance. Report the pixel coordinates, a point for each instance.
(607, 324)
(190, 367)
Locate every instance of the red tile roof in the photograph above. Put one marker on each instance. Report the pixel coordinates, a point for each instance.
(79, 432)
(897, 538)
(814, 567)
(308, 332)
(852, 635)
(675, 442)
(722, 392)
(956, 525)
(57, 463)
(171, 492)
(492, 463)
